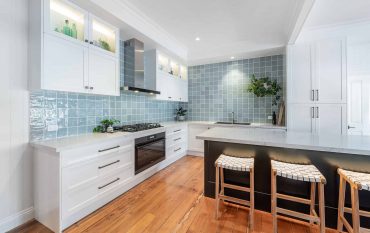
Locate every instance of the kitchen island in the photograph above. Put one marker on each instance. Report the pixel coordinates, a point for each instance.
(326, 152)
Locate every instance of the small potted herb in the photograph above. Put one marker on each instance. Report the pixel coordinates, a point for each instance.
(106, 126)
(180, 114)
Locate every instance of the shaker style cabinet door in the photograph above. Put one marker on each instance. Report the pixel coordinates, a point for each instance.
(65, 65)
(330, 71)
(330, 119)
(299, 68)
(103, 73)
(301, 118)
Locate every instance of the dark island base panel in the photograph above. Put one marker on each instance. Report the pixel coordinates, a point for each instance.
(326, 162)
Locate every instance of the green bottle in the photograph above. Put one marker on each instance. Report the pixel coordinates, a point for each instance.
(66, 28)
(74, 31)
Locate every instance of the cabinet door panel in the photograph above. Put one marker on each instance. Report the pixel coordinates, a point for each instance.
(300, 117)
(65, 65)
(194, 144)
(162, 87)
(330, 118)
(103, 73)
(330, 74)
(299, 74)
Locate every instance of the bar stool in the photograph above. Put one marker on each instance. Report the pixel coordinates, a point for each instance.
(306, 173)
(357, 181)
(236, 164)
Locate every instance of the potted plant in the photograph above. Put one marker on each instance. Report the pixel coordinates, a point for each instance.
(263, 86)
(180, 114)
(106, 125)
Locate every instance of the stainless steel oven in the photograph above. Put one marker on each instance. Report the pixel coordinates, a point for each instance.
(149, 150)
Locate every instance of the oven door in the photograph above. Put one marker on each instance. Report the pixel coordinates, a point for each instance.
(149, 154)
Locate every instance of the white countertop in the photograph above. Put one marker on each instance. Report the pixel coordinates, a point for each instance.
(351, 144)
(81, 140)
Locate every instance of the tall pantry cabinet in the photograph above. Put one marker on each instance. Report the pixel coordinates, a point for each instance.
(316, 87)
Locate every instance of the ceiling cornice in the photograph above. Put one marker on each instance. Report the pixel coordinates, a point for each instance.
(132, 16)
(299, 20)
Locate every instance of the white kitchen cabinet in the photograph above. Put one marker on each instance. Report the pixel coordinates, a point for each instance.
(103, 73)
(73, 183)
(71, 49)
(196, 146)
(317, 118)
(330, 68)
(171, 78)
(317, 72)
(176, 141)
(65, 65)
(301, 118)
(299, 67)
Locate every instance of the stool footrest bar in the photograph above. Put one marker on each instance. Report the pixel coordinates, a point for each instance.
(297, 214)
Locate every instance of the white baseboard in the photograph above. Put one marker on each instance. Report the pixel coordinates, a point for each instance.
(16, 219)
(195, 153)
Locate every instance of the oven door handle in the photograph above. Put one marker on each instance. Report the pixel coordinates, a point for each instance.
(139, 146)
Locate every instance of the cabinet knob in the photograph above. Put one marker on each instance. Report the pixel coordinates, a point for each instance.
(86, 40)
(91, 88)
(169, 97)
(86, 87)
(91, 42)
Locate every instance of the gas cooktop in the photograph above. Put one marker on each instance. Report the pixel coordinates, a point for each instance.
(137, 127)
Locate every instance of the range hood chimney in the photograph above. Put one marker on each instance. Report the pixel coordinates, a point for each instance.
(134, 76)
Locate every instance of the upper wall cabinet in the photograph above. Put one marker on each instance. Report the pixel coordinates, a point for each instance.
(171, 77)
(72, 50)
(317, 72)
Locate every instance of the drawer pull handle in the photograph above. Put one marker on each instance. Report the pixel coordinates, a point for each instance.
(106, 165)
(177, 130)
(177, 149)
(113, 181)
(109, 149)
(176, 139)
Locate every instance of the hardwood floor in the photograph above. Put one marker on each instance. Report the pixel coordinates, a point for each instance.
(171, 201)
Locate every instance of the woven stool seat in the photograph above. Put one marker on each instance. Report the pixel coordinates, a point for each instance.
(362, 180)
(300, 172)
(235, 163)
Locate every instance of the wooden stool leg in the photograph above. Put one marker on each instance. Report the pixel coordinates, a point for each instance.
(312, 196)
(273, 201)
(321, 207)
(251, 195)
(342, 193)
(222, 180)
(355, 209)
(217, 190)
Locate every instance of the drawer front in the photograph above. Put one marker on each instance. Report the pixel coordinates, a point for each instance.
(176, 149)
(88, 170)
(176, 138)
(176, 129)
(74, 156)
(114, 179)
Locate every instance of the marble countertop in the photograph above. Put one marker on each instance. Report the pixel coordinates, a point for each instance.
(350, 144)
(88, 139)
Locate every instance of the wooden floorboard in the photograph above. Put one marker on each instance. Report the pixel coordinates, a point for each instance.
(171, 201)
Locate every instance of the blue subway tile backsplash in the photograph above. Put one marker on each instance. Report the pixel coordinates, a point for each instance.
(216, 90)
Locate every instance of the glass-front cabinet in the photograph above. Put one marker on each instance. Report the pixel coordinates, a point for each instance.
(183, 72)
(175, 68)
(103, 35)
(65, 19)
(68, 21)
(163, 62)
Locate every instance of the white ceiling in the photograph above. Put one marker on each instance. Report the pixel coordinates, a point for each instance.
(334, 12)
(225, 28)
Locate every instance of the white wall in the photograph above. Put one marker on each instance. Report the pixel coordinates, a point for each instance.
(15, 158)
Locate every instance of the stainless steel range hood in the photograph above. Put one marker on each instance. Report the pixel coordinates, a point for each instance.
(134, 75)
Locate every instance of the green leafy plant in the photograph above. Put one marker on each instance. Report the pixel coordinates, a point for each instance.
(104, 44)
(181, 112)
(104, 125)
(263, 86)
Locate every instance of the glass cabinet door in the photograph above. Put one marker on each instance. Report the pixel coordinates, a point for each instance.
(103, 35)
(163, 63)
(66, 19)
(175, 69)
(183, 72)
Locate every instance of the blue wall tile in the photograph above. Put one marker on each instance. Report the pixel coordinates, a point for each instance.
(216, 90)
